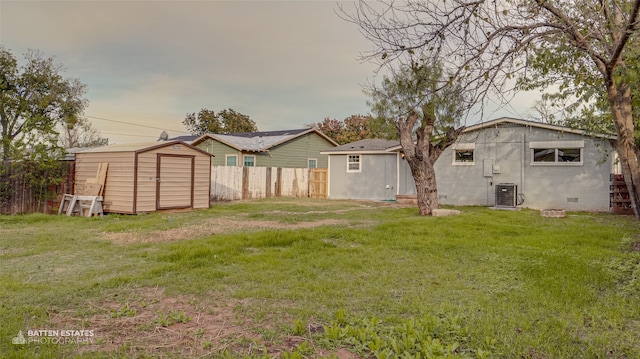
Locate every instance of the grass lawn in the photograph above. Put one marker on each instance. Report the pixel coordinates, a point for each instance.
(311, 278)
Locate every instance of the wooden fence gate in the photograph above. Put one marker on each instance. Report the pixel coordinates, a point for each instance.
(318, 182)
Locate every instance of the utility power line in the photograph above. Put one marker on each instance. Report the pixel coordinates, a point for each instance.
(134, 124)
(125, 134)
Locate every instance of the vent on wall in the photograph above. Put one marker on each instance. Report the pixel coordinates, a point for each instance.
(506, 194)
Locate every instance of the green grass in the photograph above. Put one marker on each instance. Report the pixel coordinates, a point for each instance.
(485, 283)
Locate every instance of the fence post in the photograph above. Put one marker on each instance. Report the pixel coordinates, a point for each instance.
(245, 182)
(267, 192)
(279, 182)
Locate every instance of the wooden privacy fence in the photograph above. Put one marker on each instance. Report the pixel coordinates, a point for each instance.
(25, 188)
(234, 183)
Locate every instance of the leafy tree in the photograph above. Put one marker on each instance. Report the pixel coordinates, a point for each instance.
(205, 122)
(331, 127)
(226, 121)
(234, 122)
(426, 111)
(357, 127)
(34, 99)
(584, 47)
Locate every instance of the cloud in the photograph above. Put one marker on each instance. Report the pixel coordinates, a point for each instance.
(284, 63)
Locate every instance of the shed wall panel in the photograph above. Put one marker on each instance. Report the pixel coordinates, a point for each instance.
(146, 191)
(202, 182)
(118, 190)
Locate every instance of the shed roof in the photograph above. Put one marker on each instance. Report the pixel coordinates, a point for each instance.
(140, 147)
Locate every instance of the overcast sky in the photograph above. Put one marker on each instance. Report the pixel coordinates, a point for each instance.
(283, 63)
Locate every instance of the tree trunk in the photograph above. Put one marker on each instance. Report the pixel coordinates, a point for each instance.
(420, 154)
(6, 150)
(424, 177)
(620, 101)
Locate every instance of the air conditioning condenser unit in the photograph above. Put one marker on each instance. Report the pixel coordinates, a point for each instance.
(506, 195)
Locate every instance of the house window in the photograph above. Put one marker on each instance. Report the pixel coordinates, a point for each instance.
(562, 152)
(353, 163)
(464, 153)
(231, 160)
(569, 154)
(249, 161)
(463, 156)
(557, 155)
(313, 163)
(544, 155)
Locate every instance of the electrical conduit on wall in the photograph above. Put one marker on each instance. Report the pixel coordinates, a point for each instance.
(520, 196)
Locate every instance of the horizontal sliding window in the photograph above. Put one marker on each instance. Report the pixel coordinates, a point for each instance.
(557, 155)
(556, 152)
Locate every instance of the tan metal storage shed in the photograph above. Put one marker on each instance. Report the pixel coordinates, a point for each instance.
(146, 177)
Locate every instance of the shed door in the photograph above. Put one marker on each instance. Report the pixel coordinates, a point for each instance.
(174, 188)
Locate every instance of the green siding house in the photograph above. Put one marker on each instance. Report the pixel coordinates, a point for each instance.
(288, 149)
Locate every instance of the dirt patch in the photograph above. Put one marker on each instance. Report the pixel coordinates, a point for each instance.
(150, 323)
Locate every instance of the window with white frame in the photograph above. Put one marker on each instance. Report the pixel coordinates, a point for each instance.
(464, 153)
(464, 156)
(231, 160)
(353, 163)
(249, 161)
(313, 162)
(556, 152)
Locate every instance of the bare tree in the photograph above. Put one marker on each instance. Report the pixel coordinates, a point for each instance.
(79, 132)
(550, 111)
(581, 45)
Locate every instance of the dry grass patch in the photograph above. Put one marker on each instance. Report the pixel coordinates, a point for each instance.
(149, 322)
(242, 222)
(209, 227)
